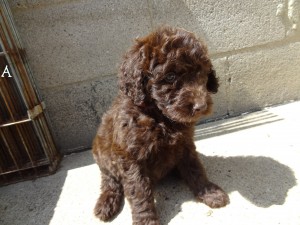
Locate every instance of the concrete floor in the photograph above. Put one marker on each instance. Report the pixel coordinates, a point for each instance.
(254, 157)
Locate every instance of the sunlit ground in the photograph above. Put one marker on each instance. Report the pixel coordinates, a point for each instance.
(255, 158)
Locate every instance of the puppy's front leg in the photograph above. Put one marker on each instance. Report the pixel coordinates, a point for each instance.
(193, 172)
(138, 191)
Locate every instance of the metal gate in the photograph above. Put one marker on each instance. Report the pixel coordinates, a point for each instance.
(27, 149)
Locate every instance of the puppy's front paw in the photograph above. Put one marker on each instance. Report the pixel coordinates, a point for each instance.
(108, 205)
(213, 196)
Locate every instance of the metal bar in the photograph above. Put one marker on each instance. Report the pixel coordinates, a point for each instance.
(6, 47)
(23, 145)
(15, 52)
(36, 110)
(2, 163)
(39, 132)
(26, 167)
(19, 45)
(32, 113)
(31, 116)
(9, 149)
(9, 97)
(15, 123)
(40, 125)
(5, 94)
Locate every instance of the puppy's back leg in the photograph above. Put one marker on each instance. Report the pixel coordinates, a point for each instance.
(110, 200)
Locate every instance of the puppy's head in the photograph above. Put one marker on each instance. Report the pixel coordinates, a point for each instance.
(171, 69)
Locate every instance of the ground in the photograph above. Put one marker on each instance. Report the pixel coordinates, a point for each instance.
(254, 157)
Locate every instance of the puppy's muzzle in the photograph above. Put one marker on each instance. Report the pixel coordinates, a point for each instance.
(199, 107)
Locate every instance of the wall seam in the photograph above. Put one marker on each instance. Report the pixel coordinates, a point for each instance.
(255, 48)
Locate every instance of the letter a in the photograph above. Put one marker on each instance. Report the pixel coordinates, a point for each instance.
(6, 71)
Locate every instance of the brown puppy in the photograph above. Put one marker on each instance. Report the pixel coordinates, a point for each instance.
(166, 81)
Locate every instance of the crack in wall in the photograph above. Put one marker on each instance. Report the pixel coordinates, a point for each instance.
(228, 86)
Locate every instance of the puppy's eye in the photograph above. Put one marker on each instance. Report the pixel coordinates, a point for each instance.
(170, 77)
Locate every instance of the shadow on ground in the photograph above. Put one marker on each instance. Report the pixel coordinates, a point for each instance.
(236, 124)
(261, 180)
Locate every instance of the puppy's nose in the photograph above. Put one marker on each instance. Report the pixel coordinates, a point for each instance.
(200, 107)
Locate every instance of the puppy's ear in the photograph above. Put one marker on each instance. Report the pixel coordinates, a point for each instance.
(133, 74)
(213, 82)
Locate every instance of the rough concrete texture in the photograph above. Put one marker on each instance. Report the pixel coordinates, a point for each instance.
(221, 100)
(264, 77)
(73, 43)
(77, 110)
(254, 157)
(225, 25)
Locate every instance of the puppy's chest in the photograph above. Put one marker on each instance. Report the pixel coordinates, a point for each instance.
(145, 138)
(159, 136)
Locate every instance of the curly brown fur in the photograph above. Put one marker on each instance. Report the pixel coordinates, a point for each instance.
(166, 81)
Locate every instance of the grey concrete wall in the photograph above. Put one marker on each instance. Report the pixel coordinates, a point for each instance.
(74, 47)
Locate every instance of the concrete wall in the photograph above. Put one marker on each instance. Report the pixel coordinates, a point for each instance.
(74, 47)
